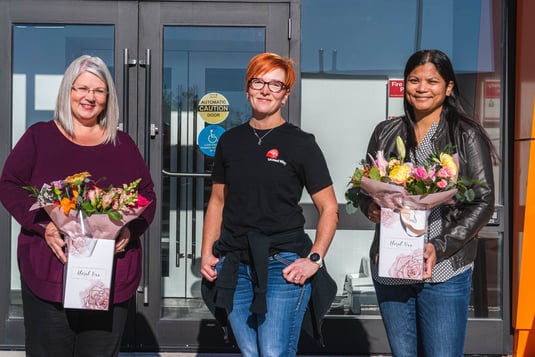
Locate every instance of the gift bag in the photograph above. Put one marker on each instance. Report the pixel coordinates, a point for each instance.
(401, 243)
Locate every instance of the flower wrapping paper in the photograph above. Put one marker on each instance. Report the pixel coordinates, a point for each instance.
(403, 227)
(392, 196)
(90, 253)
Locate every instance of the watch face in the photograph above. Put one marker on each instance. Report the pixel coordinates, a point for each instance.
(314, 257)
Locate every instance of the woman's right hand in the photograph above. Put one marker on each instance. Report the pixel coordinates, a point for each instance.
(55, 242)
(208, 263)
(374, 212)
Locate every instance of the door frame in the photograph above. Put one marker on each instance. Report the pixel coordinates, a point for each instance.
(152, 333)
(49, 12)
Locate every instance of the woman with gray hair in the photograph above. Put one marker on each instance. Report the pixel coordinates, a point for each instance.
(82, 136)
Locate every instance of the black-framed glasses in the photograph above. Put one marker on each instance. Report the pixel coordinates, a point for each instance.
(273, 86)
(97, 92)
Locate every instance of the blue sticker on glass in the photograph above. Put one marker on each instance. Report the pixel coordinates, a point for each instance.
(208, 138)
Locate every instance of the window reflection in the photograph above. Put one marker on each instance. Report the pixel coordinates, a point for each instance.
(376, 37)
(350, 51)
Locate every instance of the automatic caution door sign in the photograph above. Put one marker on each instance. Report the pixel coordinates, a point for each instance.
(213, 108)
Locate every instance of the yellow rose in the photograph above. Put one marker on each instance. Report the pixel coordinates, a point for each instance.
(400, 174)
(393, 163)
(447, 161)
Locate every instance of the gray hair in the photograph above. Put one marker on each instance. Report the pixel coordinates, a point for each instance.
(109, 118)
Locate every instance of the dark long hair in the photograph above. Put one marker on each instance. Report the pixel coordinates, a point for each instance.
(452, 109)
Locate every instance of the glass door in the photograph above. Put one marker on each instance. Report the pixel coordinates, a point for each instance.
(203, 95)
(198, 55)
(40, 40)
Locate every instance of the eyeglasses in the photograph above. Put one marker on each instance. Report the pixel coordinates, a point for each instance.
(274, 86)
(97, 92)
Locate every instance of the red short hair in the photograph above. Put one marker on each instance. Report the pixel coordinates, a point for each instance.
(266, 62)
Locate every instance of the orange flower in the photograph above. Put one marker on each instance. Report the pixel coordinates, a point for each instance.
(68, 204)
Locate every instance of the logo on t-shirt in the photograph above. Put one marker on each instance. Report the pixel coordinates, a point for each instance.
(273, 156)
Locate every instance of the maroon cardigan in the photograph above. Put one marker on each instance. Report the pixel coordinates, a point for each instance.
(43, 154)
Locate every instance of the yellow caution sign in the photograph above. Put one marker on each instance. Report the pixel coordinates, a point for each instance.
(213, 108)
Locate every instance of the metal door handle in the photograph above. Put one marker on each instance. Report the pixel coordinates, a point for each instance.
(146, 63)
(187, 174)
(127, 63)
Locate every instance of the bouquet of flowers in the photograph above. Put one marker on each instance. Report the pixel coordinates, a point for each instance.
(90, 217)
(80, 193)
(406, 193)
(390, 180)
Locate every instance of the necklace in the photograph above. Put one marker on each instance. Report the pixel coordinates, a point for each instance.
(261, 137)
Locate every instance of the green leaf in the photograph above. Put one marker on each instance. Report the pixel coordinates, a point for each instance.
(350, 208)
(375, 174)
(34, 192)
(469, 195)
(115, 215)
(352, 194)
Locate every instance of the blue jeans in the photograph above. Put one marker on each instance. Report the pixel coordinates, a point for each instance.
(277, 332)
(426, 319)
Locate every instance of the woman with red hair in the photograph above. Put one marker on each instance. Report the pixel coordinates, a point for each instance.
(259, 266)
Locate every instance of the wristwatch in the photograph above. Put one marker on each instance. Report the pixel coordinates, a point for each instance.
(316, 258)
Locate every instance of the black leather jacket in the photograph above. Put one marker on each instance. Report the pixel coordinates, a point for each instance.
(458, 240)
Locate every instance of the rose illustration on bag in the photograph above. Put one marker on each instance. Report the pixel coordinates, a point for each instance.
(388, 217)
(408, 266)
(80, 245)
(96, 297)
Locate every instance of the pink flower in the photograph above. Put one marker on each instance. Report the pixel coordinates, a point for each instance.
(380, 163)
(442, 183)
(444, 172)
(94, 195)
(421, 173)
(57, 183)
(142, 201)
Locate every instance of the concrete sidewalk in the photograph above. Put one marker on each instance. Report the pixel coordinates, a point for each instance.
(140, 354)
(144, 354)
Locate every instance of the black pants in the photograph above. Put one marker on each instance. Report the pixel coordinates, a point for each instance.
(52, 330)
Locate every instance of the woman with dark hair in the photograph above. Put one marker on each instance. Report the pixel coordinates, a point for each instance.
(429, 317)
(258, 264)
(82, 136)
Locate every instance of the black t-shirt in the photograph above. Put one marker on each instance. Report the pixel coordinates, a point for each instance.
(265, 182)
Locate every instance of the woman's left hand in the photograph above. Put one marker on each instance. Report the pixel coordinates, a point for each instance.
(122, 240)
(300, 270)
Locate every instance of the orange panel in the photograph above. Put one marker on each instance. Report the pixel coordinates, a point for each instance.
(524, 340)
